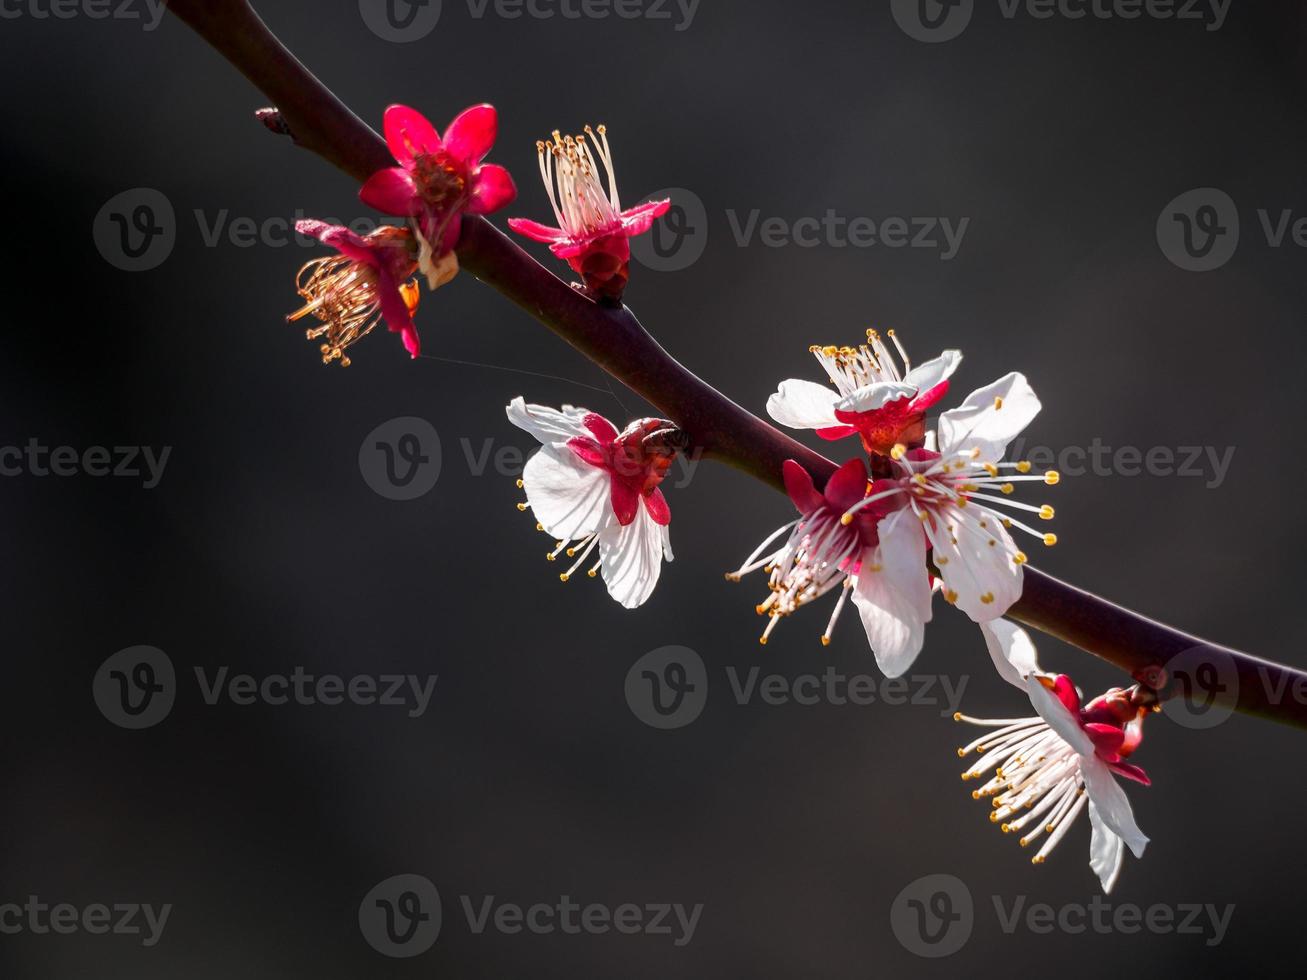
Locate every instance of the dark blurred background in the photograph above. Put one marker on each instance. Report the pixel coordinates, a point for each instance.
(262, 548)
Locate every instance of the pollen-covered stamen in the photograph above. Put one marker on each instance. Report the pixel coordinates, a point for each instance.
(571, 176)
(342, 294)
(851, 368)
(951, 488)
(1037, 781)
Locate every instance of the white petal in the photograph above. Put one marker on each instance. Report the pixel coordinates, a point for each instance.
(923, 377)
(870, 397)
(1012, 651)
(980, 422)
(549, 424)
(633, 558)
(1112, 803)
(1059, 718)
(666, 530)
(894, 602)
(985, 576)
(568, 496)
(803, 405)
(1106, 851)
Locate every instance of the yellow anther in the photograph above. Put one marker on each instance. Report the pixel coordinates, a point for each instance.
(950, 596)
(1050, 540)
(957, 716)
(521, 485)
(564, 577)
(899, 451)
(991, 469)
(1052, 478)
(1020, 558)
(1046, 513)
(1023, 466)
(998, 402)
(521, 508)
(592, 573)
(846, 520)
(1008, 488)
(825, 641)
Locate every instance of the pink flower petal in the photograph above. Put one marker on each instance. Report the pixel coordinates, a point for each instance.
(409, 134)
(928, 398)
(587, 450)
(798, 484)
(397, 317)
(342, 240)
(833, 432)
(639, 219)
(604, 431)
(492, 189)
(847, 486)
(1130, 771)
(626, 502)
(471, 135)
(390, 191)
(536, 231)
(656, 505)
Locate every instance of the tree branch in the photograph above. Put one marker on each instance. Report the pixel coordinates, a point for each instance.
(718, 428)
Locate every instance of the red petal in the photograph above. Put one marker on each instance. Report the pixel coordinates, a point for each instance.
(639, 219)
(1065, 691)
(409, 134)
(834, 432)
(397, 317)
(1107, 740)
(471, 135)
(492, 189)
(1130, 771)
(604, 431)
(390, 191)
(626, 502)
(798, 484)
(847, 486)
(926, 399)
(656, 505)
(587, 450)
(536, 231)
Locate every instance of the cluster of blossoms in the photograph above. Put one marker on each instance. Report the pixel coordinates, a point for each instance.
(920, 510)
(436, 182)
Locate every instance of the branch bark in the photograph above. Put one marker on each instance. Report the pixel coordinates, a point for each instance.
(719, 428)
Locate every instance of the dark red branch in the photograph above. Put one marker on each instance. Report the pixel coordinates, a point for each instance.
(718, 428)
